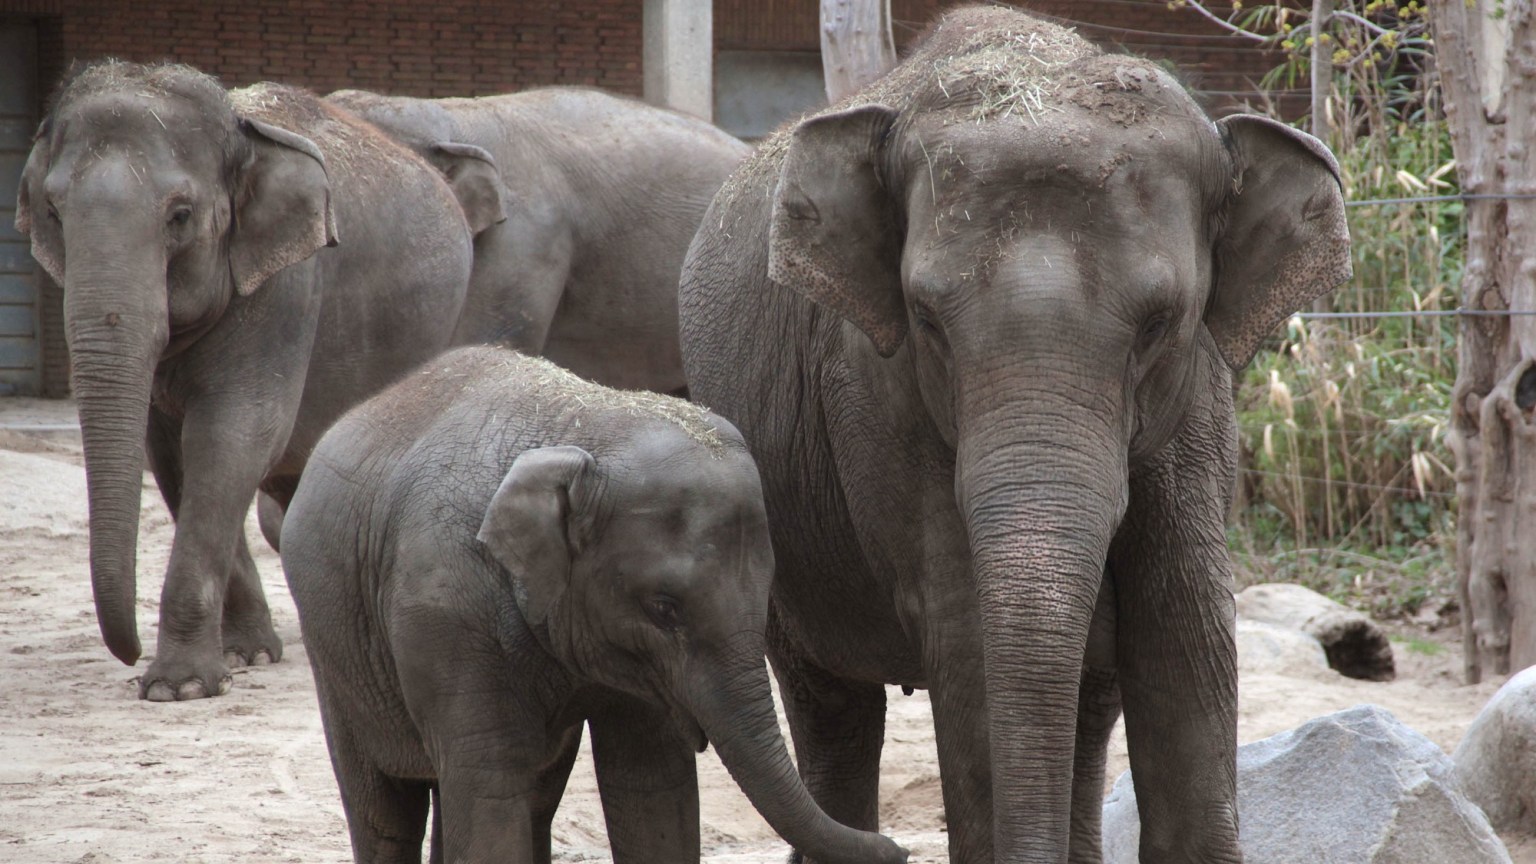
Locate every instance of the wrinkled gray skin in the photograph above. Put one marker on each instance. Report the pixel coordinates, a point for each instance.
(583, 204)
(494, 551)
(210, 327)
(978, 325)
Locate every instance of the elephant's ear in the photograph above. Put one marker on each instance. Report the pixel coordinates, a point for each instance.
(1284, 240)
(45, 249)
(283, 207)
(476, 182)
(834, 236)
(537, 523)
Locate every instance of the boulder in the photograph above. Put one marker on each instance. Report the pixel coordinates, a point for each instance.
(1355, 787)
(1496, 760)
(1274, 650)
(1355, 645)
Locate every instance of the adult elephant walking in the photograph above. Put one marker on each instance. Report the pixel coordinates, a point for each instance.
(582, 231)
(978, 325)
(189, 226)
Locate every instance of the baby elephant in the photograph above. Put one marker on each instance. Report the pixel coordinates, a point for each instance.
(493, 551)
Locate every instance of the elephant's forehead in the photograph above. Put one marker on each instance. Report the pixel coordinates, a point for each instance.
(143, 111)
(1077, 146)
(149, 126)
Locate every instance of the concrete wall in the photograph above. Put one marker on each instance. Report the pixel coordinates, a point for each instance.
(755, 91)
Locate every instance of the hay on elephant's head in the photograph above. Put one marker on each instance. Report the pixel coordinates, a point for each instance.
(982, 64)
(545, 386)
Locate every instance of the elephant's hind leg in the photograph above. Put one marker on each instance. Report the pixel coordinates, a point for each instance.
(249, 638)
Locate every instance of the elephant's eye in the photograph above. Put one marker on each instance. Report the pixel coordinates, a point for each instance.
(53, 213)
(663, 612)
(927, 321)
(180, 216)
(1152, 330)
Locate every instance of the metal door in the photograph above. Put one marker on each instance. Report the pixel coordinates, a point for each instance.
(20, 357)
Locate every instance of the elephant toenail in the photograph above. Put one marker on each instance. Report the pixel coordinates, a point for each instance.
(160, 691)
(261, 658)
(233, 660)
(225, 684)
(191, 690)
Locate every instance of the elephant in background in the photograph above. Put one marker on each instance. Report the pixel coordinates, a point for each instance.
(494, 551)
(584, 204)
(214, 329)
(978, 324)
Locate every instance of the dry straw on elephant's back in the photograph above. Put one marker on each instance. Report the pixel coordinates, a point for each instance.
(345, 142)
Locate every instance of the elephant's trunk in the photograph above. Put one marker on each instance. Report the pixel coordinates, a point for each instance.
(117, 325)
(735, 709)
(1042, 488)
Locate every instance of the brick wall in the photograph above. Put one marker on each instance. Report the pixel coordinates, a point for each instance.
(454, 47)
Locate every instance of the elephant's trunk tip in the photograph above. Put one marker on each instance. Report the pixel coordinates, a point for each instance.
(124, 646)
(891, 852)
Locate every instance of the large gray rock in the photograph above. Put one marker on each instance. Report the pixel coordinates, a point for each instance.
(1270, 649)
(1496, 760)
(1355, 787)
(1355, 645)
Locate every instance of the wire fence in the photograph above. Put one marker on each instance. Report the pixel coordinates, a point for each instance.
(1345, 484)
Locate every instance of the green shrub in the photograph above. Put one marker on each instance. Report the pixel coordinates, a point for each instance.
(1347, 482)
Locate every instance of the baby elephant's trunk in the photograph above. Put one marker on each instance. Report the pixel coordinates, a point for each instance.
(733, 704)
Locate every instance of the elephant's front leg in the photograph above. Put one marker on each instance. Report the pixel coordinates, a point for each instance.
(1176, 652)
(648, 783)
(838, 729)
(208, 473)
(1098, 707)
(548, 789)
(483, 727)
(951, 628)
(481, 820)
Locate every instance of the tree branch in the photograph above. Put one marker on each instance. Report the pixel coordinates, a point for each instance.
(1224, 23)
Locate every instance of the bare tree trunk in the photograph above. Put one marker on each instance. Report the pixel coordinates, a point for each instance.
(1322, 87)
(1322, 70)
(1490, 99)
(856, 44)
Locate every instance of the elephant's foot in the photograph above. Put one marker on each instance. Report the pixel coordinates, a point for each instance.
(178, 679)
(251, 642)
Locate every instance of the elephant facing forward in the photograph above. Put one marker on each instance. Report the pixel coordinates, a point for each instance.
(978, 324)
(212, 328)
(494, 551)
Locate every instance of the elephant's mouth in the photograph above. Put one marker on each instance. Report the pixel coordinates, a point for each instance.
(691, 731)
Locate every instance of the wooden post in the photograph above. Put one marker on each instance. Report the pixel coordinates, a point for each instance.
(856, 44)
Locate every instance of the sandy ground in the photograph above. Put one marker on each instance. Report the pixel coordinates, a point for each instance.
(91, 775)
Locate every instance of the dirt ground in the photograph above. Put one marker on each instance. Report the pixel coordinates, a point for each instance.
(91, 775)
